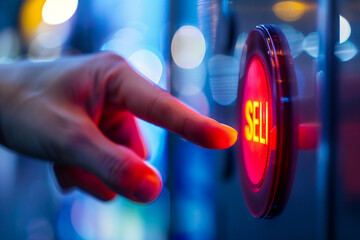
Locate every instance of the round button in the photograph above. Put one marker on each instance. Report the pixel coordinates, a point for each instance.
(266, 120)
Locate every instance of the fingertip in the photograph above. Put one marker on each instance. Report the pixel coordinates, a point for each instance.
(148, 189)
(229, 137)
(215, 135)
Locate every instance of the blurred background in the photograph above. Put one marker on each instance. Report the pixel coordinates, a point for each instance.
(192, 48)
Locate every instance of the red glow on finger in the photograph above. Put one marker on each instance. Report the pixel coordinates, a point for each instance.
(148, 185)
(69, 177)
(220, 136)
(137, 181)
(121, 127)
(208, 133)
(148, 189)
(230, 136)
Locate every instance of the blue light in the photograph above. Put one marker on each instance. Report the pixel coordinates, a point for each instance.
(223, 76)
(311, 43)
(346, 51)
(155, 140)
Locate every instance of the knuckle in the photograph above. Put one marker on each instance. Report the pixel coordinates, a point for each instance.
(108, 56)
(102, 61)
(159, 94)
(115, 168)
(75, 136)
(108, 71)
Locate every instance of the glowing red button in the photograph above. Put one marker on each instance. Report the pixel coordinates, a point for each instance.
(256, 119)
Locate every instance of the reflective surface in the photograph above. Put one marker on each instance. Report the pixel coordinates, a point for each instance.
(266, 152)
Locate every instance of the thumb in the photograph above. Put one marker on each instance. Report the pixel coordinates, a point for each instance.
(118, 167)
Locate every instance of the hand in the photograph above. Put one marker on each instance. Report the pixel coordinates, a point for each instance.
(79, 113)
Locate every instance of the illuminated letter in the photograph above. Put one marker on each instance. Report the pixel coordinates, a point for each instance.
(249, 127)
(267, 123)
(255, 121)
(262, 140)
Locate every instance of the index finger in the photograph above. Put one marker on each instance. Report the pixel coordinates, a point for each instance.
(151, 103)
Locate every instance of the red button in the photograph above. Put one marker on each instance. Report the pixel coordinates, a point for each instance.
(256, 120)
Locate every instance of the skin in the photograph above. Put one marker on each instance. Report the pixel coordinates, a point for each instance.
(78, 112)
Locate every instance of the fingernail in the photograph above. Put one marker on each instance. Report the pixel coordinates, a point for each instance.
(231, 135)
(148, 189)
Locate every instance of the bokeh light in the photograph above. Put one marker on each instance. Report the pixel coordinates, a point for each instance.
(37, 53)
(188, 81)
(198, 102)
(223, 76)
(239, 45)
(289, 11)
(154, 138)
(9, 44)
(311, 44)
(58, 11)
(344, 29)
(188, 47)
(30, 17)
(47, 44)
(345, 51)
(295, 39)
(148, 64)
(44, 35)
(53, 37)
(88, 218)
(124, 41)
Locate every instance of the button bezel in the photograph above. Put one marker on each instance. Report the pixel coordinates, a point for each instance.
(270, 197)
